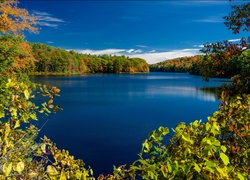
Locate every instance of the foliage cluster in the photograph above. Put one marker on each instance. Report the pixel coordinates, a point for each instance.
(56, 60)
(22, 156)
(15, 20)
(218, 148)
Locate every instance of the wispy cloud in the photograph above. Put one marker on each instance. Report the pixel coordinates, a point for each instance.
(151, 57)
(101, 52)
(211, 19)
(134, 51)
(154, 57)
(234, 40)
(141, 46)
(46, 19)
(197, 3)
(199, 46)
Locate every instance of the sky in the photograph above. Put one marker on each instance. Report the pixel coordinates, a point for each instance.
(152, 30)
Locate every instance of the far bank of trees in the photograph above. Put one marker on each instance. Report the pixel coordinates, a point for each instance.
(182, 64)
(56, 60)
(221, 59)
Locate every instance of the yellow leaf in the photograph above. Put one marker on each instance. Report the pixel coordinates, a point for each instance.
(26, 94)
(17, 124)
(63, 176)
(20, 167)
(32, 174)
(52, 172)
(43, 148)
(33, 116)
(10, 84)
(7, 167)
(2, 114)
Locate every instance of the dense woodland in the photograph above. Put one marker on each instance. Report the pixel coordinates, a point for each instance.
(51, 60)
(225, 63)
(215, 149)
(182, 64)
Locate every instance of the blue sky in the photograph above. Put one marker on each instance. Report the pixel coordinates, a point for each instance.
(153, 30)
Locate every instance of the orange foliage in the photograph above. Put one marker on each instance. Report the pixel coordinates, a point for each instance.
(14, 20)
(23, 60)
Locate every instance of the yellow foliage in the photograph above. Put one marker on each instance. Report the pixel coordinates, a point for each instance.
(14, 20)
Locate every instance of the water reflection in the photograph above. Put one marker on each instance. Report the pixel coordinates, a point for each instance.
(181, 91)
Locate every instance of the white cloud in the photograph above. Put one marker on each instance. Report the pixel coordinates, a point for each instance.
(199, 46)
(141, 46)
(46, 19)
(130, 51)
(234, 40)
(50, 19)
(210, 19)
(39, 13)
(197, 3)
(138, 51)
(101, 52)
(151, 57)
(48, 24)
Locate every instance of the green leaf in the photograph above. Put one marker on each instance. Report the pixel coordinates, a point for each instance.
(215, 141)
(7, 167)
(169, 167)
(197, 168)
(2, 115)
(240, 176)
(20, 167)
(195, 124)
(223, 148)
(224, 158)
(210, 164)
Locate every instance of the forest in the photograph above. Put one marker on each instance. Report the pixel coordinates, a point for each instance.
(215, 149)
(51, 60)
(226, 60)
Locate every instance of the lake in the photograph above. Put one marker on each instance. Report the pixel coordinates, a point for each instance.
(106, 117)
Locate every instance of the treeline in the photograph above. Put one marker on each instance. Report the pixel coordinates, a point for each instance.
(223, 63)
(56, 60)
(182, 64)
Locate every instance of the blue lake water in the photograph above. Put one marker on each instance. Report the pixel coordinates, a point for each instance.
(106, 117)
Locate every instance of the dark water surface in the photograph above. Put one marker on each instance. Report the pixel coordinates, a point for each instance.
(106, 117)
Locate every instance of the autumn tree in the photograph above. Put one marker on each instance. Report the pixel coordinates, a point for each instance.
(239, 18)
(21, 156)
(14, 20)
